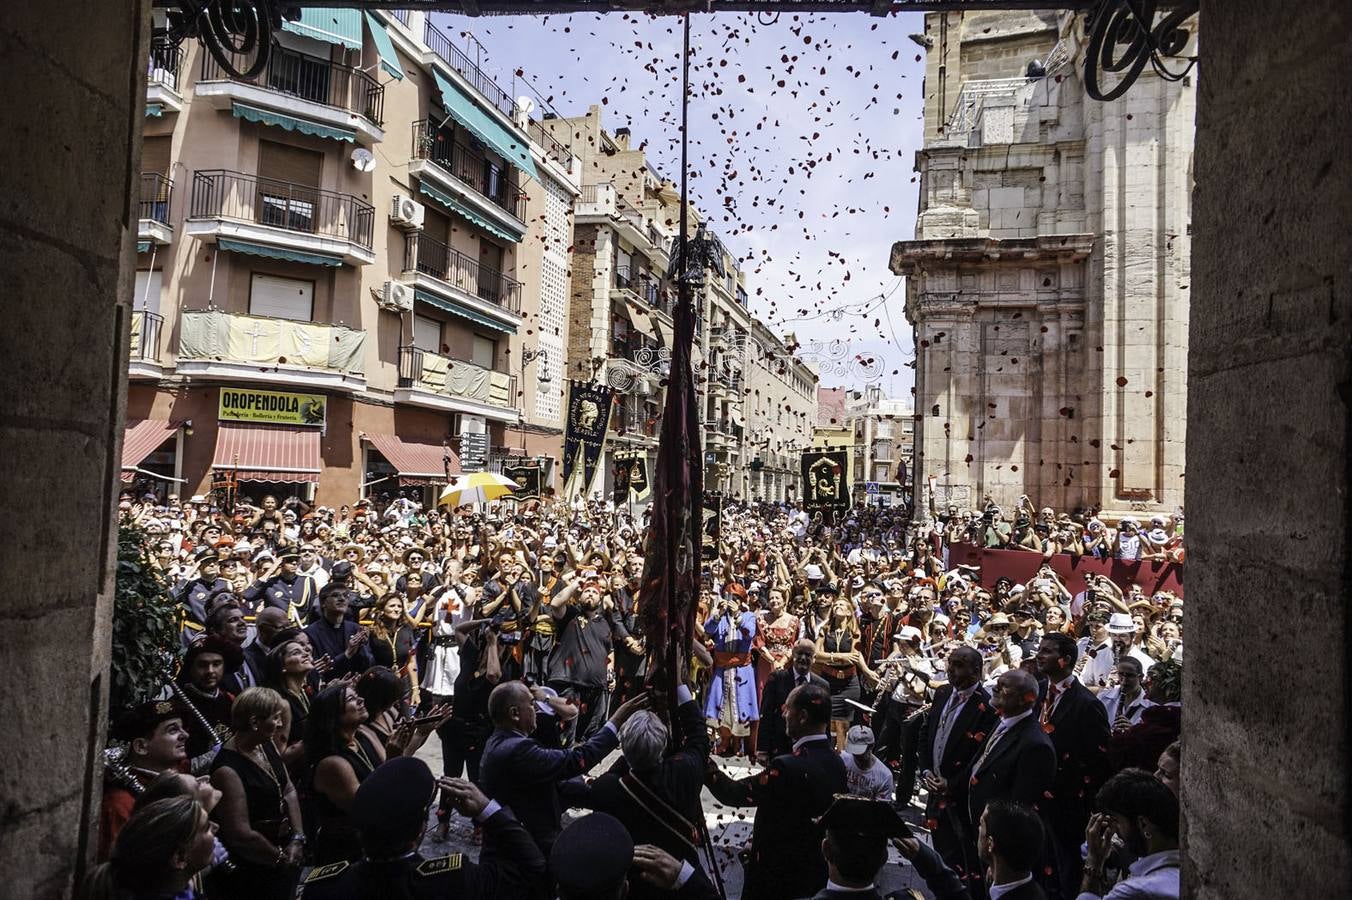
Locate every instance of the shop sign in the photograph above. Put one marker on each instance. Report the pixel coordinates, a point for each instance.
(273, 407)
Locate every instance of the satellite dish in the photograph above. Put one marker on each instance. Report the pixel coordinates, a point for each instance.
(362, 160)
(525, 104)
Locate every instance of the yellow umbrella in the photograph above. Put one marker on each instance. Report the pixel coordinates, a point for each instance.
(477, 487)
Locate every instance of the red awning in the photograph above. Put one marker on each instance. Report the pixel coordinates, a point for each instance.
(277, 453)
(416, 463)
(143, 437)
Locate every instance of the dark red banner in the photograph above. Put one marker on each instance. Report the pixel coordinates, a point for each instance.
(1021, 565)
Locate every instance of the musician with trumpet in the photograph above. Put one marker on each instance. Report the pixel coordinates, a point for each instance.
(903, 696)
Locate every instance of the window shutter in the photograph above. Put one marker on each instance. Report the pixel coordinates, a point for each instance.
(281, 298)
(295, 165)
(155, 155)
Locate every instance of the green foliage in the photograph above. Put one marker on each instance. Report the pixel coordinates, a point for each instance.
(146, 643)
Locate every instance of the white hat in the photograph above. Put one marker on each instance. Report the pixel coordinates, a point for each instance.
(813, 572)
(857, 582)
(549, 543)
(1121, 623)
(907, 633)
(858, 739)
(198, 499)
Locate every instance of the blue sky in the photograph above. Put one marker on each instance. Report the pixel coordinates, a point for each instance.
(802, 143)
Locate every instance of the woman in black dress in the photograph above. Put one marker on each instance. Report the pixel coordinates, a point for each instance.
(341, 756)
(840, 662)
(259, 814)
(286, 670)
(393, 644)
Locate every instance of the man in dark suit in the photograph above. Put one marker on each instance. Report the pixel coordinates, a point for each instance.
(772, 740)
(790, 795)
(1017, 763)
(1078, 727)
(1009, 844)
(522, 775)
(960, 718)
(654, 795)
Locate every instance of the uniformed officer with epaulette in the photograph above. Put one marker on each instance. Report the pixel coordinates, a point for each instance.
(287, 590)
(390, 813)
(192, 596)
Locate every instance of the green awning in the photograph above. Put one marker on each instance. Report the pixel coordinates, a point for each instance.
(143, 246)
(484, 127)
(389, 60)
(463, 312)
(155, 109)
(299, 256)
(467, 213)
(334, 26)
(290, 123)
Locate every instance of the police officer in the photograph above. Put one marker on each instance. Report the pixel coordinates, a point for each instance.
(192, 596)
(287, 589)
(390, 813)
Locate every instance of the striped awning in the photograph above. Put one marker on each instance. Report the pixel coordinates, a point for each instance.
(334, 26)
(463, 312)
(514, 149)
(389, 59)
(276, 453)
(466, 213)
(142, 438)
(291, 123)
(425, 463)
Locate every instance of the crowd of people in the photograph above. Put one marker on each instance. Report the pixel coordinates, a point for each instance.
(862, 676)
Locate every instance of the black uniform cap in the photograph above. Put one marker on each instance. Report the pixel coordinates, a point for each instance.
(592, 855)
(394, 797)
(861, 817)
(141, 720)
(288, 553)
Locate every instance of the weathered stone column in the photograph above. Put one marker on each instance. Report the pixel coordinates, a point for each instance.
(72, 108)
(1265, 769)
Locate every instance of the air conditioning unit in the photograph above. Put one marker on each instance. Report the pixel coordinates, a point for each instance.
(396, 296)
(406, 212)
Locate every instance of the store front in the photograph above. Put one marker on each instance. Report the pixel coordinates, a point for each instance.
(395, 467)
(268, 443)
(150, 457)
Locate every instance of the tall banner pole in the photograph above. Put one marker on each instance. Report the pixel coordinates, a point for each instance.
(670, 591)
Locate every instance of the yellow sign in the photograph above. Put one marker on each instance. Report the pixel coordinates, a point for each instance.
(246, 405)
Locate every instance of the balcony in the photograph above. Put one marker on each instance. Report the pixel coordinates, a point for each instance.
(164, 69)
(470, 180)
(279, 219)
(299, 92)
(553, 148)
(433, 267)
(602, 203)
(144, 352)
(154, 225)
(477, 77)
(221, 345)
(453, 385)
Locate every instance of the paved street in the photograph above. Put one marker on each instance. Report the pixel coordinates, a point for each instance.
(730, 830)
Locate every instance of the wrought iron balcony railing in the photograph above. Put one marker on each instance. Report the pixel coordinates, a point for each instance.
(165, 65)
(145, 336)
(218, 193)
(431, 257)
(437, 373)
(477, 77)
(157, 192)
(484, 176)
(310, 78)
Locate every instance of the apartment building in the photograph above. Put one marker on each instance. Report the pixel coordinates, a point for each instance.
(883, 434)
(780, 402)
(622, 301)
(353, 267)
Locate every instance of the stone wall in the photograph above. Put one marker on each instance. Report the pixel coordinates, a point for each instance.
(1265, 770)
(72, 148)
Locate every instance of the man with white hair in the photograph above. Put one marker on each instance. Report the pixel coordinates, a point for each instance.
(655, 795)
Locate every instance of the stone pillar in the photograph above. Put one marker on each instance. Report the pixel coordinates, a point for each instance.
(69, 178)
(1265, 769)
